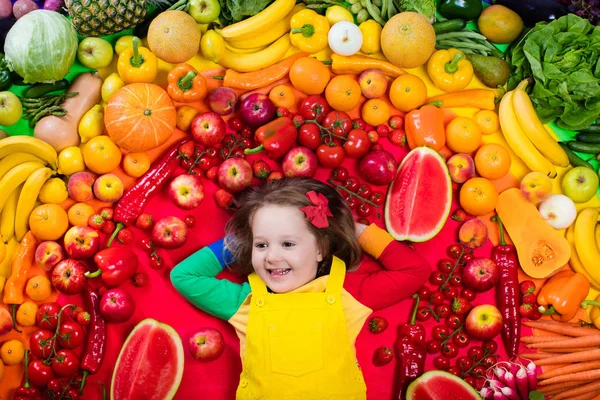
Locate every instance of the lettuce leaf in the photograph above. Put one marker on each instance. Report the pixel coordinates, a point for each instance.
(424, 7)
(563, 58)
(233, 11)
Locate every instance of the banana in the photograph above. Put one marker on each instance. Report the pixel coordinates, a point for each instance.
(518, 140)
(29, 144)
(535, 131)
(6, 264)
(260, 22)
(29, 194)
(12, 160)
(255, 61)
(269, 36)
(575, 261)
(597, 232)
(7, 217)
(585, 241)
(243, 51)
(14, 178)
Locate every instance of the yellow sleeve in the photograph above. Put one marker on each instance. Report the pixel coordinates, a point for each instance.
(374, 240)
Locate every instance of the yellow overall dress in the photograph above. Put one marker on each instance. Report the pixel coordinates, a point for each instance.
(298, 347)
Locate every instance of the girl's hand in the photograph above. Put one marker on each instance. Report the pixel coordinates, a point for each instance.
(359, 228)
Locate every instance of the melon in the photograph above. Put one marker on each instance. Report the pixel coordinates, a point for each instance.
(440, 385)
(419, 199)
(150, 364)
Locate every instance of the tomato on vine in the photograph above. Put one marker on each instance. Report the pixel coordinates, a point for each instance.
(338, 123)
(70, 335)
(309, 135)
(314, 107)
(330, 156)
(41, 343)
(65, 363)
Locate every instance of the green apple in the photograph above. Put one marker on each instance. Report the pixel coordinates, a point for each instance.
(204, 11)
(11, 109)
(580, 184)
(95, 52)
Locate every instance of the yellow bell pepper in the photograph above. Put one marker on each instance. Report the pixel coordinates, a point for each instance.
(595, 313)
(137, 64)
(449, 70)
(309, 31)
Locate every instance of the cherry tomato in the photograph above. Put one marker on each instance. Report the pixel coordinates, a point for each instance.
(41, 343)
(437, 278)
(467, 257)
(309, 135)
(47, 316)
(488, 361)
(359, 123)
(190, 221)
(70, 335)
(433, 346)
(352, 184)
(454, 371)
(464, 363)
(454, 321)
(340, 174)
(441, 363)
(364, 190)
(424, 292)
(454, 251)
(345, 194)
(461, 339)
(65, 363)
(442, 311)
(73, 393)
(212, 152)
(478, 370)
(156, 262)
(480, 382)
(450, 292)
(382, 130)
(238, 153)
(468, 294)
(440, 332)
(456, 280)
(146, 245)
(470, 380)
(353, 203)
(423, 313)
(436, 298)
(39, 373)
(358, 143)
(246, 132)
(186, 164)
(445, 265)
(56, 386)
(377, 198)
(489, 347)
(449, 350)
(235, 124)
(338, 123)
(475, 353)
(364, 210)
(314, 107)
(330, 156)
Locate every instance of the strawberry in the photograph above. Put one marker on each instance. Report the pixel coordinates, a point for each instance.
(83, 318)
(397, 137)
(223, 198)
(274, 176)
(377, 324)
(96, 221)
(298, 121)
(212, 173)
(396, 122)
(459, 215)
(140, 279)
(461, 306)
(144, 221)
(107, 213)
(527, 287)
(125, 236)
(525, 310)
(261, 169)
(187, 150)
(71, 311)
(109, 227)
(282, 112)
(382, 356)
(529, 299)
(535, 314)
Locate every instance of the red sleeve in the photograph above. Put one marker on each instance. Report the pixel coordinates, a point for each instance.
(404, 272)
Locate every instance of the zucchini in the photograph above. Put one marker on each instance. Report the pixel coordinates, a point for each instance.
(41, 89)
(574, 159)
(588, 137)
(591, 129)
(590, 148)
(451, 25)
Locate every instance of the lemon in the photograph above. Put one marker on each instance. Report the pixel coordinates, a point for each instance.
(371, 32)
(111, 84)
(92, 123)
(54, 191)
(70, 160)
(124, 42)
(212, 46)
(335, 14)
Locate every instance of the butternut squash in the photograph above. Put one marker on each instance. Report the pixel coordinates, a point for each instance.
(541, 249)
(61, 132)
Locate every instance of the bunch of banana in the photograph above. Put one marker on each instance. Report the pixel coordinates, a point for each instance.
(526, 135)
(585, 253)
(26, 163)
(6, 263)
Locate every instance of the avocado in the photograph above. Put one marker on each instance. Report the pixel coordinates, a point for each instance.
(492, 71)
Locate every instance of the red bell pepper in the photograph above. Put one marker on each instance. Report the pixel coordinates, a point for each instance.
(276, 138)
(115, 266)
(425, 127)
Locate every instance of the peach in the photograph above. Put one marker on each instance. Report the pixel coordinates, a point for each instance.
(108, 187)
(6, 321)
(373, 83)
(80, 186)
(461, 167)
(48, 254)
(222, 100)
(536, 187)
(473, 233)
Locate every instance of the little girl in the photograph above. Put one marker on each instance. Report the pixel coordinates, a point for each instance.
(299, 314)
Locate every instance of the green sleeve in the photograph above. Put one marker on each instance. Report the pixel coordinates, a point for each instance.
(195, 278)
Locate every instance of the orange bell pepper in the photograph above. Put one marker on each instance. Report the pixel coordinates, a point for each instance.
(563, 294)
(425, 127)
(185, 84)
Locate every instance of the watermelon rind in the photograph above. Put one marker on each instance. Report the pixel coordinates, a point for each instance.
(151, 324)
(464, 392)
(421, 151)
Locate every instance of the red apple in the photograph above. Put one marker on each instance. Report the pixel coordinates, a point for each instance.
(48, 254)
(117, 305)
(82, 242)
(299, 161)
(257, 109)
(222, 100)
(68, 276)
(208, 129)
(484, 322)
(480, 274)
(207, 344)
(186, 191)
(235, 174)
(378, 167)
(170, 233)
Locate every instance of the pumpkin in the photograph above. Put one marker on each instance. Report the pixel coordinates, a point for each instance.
(541, 249)
(140, 117)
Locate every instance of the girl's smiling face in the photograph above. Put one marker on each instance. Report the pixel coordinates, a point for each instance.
(285, 254)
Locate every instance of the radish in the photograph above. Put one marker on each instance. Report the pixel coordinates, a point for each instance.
(5, 8)
(510, 394)
(22, 7)
(521, 378)
(500, 396)
(54, 5)
(487, 393)
(509, 379)
(531, 376)
(558, 210)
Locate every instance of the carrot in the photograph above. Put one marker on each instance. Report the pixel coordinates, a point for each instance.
(590, 355)
(586, 396)
(544, 339)
(536, 356)
(575, 376)
(563, 329)
(577, 391)
(581, 341)
(577, 367)
(569, 350)
(547, 389)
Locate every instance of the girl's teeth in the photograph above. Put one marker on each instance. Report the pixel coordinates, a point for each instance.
(279, 271)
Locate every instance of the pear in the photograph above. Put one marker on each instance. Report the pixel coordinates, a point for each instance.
(492, 71)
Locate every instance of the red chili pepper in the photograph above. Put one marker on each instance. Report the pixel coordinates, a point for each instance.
(115, 266)
(276, 138)
(93, 356)
(26, 391)
(507, 293)
(411, 350)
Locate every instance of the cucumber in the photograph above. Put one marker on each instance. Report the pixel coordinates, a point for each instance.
(40, 89)
(574, 159)
(591, 129)
(451, 25)
(590, 148)
(588, 137)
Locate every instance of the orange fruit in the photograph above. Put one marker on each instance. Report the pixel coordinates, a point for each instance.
(26, 313)
(408, 92)
(79, 214)
(12, 352)
(185, 116)
(488, 121)
(478, 196)
(1, 370)
(136, 164)
(375, 112)
(492, 161)
(48, 222)
(309, 75)
(408, 40)
(38, 288)
(101, 155)
(343, 93)
(500, 24)
(283, 96)
(174, 37)
(463, 135)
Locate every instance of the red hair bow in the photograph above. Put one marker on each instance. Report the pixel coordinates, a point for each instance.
(317, 214)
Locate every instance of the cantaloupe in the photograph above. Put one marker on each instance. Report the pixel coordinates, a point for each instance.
(174, 36)
(408, 40)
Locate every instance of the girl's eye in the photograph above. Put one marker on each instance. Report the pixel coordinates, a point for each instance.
(260, 245)
(288, 244)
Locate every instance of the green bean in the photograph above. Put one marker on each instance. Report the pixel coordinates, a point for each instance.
(460, 35)
(378, 3)
(463, 45)
(362, 16)
(356, 7)
(353, 1)
(374, 11)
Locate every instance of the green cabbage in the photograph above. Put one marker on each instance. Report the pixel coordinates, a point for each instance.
(41, 46)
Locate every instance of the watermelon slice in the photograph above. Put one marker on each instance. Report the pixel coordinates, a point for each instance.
(440, 385)
(150, 364)
(419, 199)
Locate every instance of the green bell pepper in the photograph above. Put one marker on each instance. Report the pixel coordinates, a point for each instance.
(464, 9)
(5, 75)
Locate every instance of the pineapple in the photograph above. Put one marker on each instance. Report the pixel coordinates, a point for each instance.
(105, 17)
